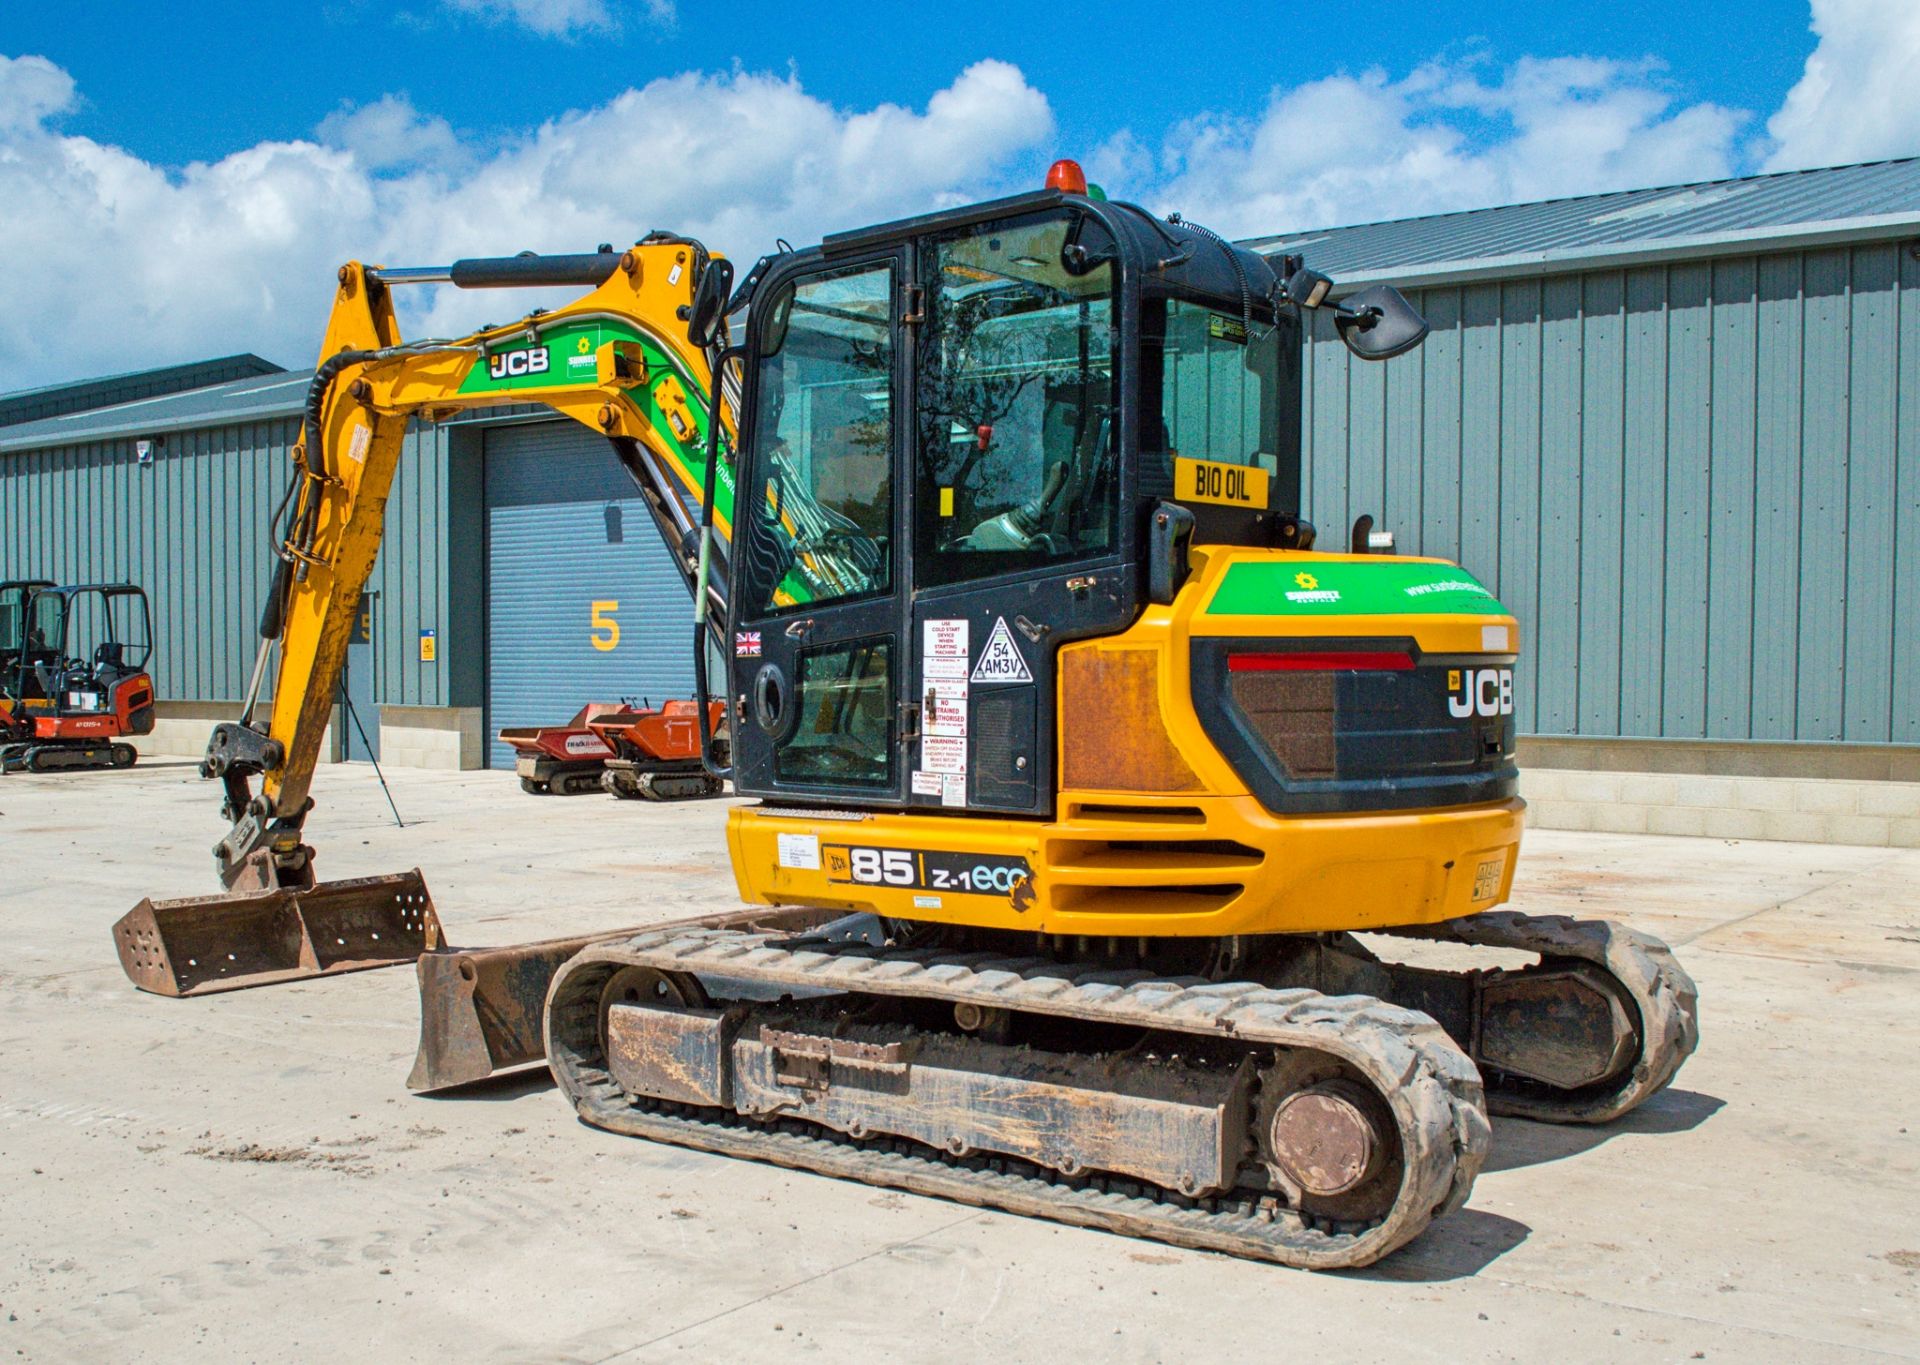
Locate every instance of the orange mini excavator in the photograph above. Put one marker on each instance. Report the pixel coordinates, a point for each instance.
(77, 658)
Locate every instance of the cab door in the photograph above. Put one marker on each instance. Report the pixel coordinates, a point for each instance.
(819, 565)
(1019, 546)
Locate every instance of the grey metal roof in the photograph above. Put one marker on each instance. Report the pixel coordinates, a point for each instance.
(253, 399)
(1763, 212)
(50, 400)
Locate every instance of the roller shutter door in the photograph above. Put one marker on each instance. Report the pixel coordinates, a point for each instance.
(583, 603)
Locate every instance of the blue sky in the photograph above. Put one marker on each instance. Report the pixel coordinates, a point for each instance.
(219, 159)
(156, 81)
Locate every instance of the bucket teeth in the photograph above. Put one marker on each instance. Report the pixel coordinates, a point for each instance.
(201, 945)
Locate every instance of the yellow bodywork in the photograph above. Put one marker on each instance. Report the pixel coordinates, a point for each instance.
(1145, 859)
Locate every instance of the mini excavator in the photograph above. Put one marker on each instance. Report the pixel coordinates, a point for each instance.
(74, 685)
(1088, 800)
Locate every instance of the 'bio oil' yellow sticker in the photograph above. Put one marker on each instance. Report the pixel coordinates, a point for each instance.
(1231, 485)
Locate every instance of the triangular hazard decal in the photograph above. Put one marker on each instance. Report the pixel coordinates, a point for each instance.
(1000, 661)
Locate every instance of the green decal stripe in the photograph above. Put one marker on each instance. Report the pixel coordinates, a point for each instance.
(562, 344)
(1388, 587)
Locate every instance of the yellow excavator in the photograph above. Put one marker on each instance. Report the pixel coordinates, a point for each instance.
(1088, 800)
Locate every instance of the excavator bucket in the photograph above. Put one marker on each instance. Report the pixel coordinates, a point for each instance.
(482, 1010)
(201, 945)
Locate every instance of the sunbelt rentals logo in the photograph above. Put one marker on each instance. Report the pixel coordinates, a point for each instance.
(1308, 589)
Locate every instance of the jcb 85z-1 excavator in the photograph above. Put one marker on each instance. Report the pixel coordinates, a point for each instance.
(1075, 769)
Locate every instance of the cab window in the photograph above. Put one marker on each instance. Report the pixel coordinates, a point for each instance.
(1016, 447)
(818, 523)
(1210, 389)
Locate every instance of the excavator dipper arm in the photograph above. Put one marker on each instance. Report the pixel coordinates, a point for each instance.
(618, 360)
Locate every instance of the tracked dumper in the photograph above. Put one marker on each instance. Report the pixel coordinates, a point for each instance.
(1100, 828)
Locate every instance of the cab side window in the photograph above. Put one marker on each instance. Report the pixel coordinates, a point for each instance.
(818, 526)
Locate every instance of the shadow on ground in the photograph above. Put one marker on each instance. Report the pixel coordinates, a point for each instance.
(1457, 1247)
(507, 1085)
(1523, 1142)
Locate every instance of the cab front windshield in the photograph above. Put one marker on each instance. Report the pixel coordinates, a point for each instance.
(1210, 389)
(46, 622)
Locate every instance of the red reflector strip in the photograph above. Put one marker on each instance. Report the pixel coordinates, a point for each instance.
(1316, 663)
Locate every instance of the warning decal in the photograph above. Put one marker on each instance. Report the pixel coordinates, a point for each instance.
(1000, 660)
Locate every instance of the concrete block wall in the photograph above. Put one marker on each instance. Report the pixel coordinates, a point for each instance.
(1800, 810)
(1831, 794)
(180, 730)
(447, 737)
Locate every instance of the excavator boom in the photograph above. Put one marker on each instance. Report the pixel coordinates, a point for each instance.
(619, 360)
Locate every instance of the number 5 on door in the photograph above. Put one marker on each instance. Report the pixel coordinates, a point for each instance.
(606, 631)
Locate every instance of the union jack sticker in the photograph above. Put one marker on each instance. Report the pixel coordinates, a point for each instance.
(746, 644)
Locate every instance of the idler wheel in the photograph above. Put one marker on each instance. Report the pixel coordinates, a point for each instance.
(647, 986)
(1324, 1138)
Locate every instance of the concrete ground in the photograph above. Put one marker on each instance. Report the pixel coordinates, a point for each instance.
(1768, 1207)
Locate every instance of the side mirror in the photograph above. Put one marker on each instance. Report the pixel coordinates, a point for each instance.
(1379, 323)
(709, 298)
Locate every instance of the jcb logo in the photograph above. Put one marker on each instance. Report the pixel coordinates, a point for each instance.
(1480, 692)
(513, 364)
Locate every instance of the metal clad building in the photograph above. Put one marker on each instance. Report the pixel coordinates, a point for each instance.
(30, 405)
(1677, 430)
(190, 524)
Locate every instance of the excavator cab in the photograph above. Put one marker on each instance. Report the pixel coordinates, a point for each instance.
(964, 425)
(1018, 535)
(15, 594)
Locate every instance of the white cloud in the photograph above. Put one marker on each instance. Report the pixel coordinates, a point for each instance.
(32, 89)
(240, 253)
(1856, 99)
(390, 134)
(564, 18)
(1352, 148)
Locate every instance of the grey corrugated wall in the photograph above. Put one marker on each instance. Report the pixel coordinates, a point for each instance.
(192, 529)
(1697, 485)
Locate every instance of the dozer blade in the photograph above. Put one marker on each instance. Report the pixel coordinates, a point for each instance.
(201, 945)
(482, 1010)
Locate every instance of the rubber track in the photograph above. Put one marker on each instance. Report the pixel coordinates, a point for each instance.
(1660, 988)
(1431, 1086)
